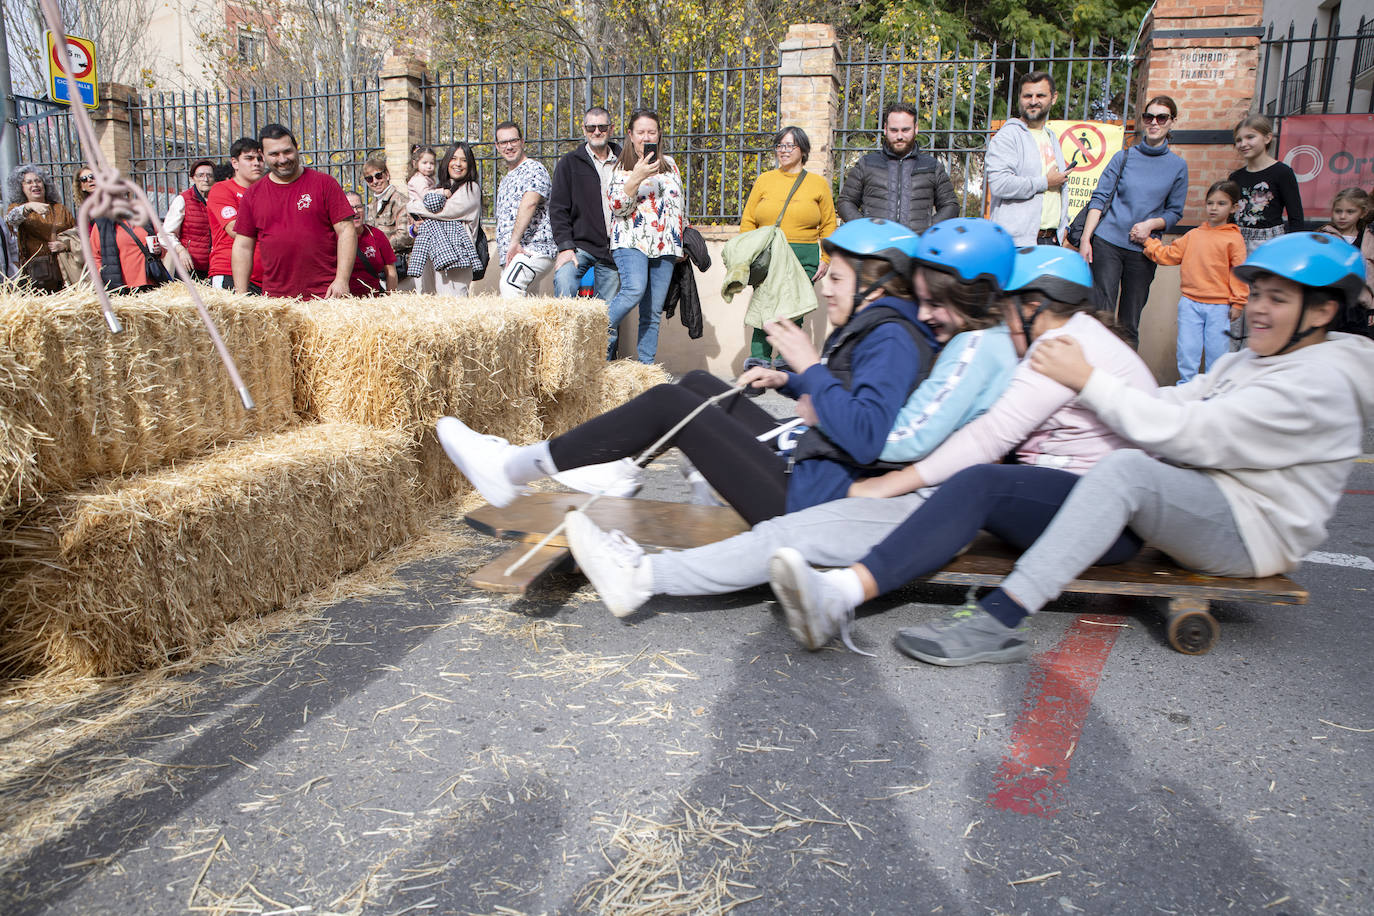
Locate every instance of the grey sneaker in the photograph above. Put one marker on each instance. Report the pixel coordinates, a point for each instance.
(816, 612)
(482, 459)
(612, 563)
(969, 636)
(749, 363)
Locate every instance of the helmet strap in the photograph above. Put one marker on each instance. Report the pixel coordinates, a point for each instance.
(1298, 336)
(1028, 323)
(859, 297)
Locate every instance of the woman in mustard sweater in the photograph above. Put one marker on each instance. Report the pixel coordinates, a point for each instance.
(810, 216)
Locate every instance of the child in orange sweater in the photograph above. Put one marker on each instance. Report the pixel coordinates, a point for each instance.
(1208, 287)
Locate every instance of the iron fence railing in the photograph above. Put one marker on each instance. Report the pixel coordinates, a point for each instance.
(48, 138)
(1316, 74)
(718, 117)
(960, 92)
(338, 123)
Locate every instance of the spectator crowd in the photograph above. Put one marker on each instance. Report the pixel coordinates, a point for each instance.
(610, 221)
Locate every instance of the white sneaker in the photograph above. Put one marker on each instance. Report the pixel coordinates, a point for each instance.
(612, 562)
(482, 459)
(614, 478)
(816, 610)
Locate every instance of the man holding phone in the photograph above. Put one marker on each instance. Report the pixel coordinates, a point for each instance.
(1025, 168)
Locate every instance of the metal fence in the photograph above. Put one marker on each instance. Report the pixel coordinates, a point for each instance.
(48, 138)
(337, 125)
(718, 117)
(960, 92)
(1323, 72)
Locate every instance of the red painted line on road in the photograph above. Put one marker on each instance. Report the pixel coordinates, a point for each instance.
(1035, 768)
(1361, 492)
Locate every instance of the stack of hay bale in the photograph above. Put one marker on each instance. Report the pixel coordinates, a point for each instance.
(144, 509)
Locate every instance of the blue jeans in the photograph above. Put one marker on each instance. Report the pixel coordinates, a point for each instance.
(568, 278)
(1201, 325)
(643, 281)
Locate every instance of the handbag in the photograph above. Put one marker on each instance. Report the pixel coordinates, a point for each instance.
(1074, 234)
(153, 267)
(758, 268)
(483, 253)
(42, 269)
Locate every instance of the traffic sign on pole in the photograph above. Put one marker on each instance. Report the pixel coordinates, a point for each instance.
(80, 60)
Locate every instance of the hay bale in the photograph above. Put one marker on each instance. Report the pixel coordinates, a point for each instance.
(625, 379)
(132, 572)
(119, 403)
(20, 407)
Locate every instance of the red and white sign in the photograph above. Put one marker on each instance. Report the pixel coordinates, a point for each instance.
(1328, 153)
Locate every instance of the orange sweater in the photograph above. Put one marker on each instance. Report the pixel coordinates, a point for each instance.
(1207, 254)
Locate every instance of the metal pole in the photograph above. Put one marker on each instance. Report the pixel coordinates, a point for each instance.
(9, 130)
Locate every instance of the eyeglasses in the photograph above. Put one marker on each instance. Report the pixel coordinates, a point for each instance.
(85, 178)
(597, 128)
(785, 147)
(1163, 118)
(375, 176)
(510, 142)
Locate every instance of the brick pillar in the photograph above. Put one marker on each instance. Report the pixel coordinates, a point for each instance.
(1205, 56)
(113, 128)
(809, 96)
(402, 111)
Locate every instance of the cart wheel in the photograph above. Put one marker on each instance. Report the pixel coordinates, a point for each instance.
(1192, 630)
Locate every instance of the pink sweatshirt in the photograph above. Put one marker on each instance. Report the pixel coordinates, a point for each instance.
(1040, 418)
(418, 185)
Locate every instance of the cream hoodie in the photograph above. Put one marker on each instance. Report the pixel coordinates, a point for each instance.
(1279, 435)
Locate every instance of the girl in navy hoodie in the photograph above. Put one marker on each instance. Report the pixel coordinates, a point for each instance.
(849, 395)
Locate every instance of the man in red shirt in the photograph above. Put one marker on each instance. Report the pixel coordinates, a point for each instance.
(245, 156)
(376, 259)
(301, 222)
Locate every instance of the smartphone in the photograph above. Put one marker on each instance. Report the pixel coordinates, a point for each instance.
(651, 151)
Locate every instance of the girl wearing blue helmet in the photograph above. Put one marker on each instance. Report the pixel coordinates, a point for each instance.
(1244, 467)
(878, 352)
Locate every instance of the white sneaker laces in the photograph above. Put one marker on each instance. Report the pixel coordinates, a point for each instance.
(623, 548)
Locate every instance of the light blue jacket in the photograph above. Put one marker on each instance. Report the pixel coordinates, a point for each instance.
(973, 370)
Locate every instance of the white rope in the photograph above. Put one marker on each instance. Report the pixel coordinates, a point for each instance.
(641, 461)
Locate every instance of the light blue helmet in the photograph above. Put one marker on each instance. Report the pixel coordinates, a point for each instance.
(970, 248)
(1056, 272)
(882, 239)
(1312, 259)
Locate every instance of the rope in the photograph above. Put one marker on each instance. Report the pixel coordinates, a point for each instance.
(116, 197)
(644, 458)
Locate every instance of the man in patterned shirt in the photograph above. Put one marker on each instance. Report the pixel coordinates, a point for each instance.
(524, 236)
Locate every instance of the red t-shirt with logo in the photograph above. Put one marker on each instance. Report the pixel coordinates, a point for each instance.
(294, 227)
(223, 204)
(374, 251)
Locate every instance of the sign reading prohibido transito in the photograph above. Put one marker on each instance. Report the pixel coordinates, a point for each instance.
(80, 59)
(1087, 146)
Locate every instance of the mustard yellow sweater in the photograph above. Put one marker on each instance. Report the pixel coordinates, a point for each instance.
(810, 216)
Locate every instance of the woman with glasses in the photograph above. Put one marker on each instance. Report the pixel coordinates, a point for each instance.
(1140, 194)
(648, 214)
(387, 212)
(37, 218)
(803, 201)
(188, 221)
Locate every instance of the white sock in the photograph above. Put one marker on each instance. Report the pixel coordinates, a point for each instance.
(846, 581)
(529, 462)
(644, 575)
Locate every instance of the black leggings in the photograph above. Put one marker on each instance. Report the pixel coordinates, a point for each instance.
(721, 441)
(1014, 502)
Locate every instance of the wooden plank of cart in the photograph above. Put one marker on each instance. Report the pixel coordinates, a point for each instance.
(656, 526)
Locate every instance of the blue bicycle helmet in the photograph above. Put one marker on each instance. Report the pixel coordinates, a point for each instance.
(970, 248)
(875, 238)
(1059, 273)
(1311, 258)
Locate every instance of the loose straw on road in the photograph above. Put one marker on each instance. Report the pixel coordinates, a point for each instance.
(116, 197)
(641, 461)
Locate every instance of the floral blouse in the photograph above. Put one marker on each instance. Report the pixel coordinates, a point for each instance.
(653, 222)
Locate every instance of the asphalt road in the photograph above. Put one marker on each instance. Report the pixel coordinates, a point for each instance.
(437, 749)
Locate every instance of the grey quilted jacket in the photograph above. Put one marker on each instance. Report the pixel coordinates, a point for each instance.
(914, 190)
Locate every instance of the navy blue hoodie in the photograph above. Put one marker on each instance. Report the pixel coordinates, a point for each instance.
(885, 368)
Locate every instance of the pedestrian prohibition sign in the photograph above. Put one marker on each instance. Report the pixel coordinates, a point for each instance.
(80, 60)
(1087, 147)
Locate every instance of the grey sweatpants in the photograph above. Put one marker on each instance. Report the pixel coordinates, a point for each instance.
(836, 533)
(1180, 511)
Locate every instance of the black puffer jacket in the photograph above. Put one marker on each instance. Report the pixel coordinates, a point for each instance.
(907, 190)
